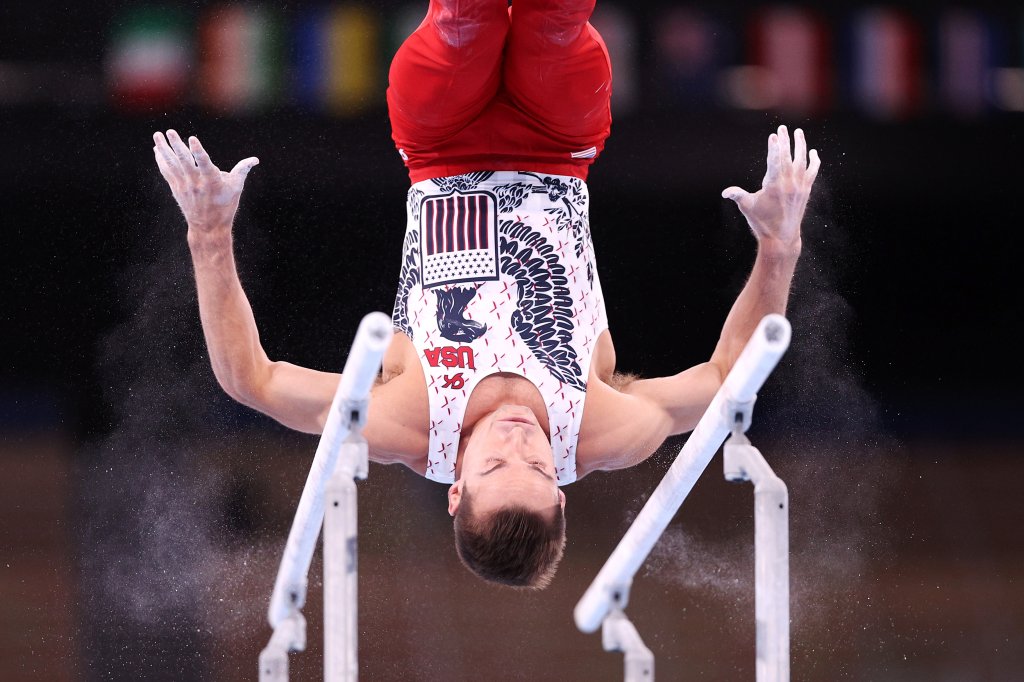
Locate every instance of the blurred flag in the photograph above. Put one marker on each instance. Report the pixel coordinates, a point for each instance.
(966, 59)
(691, 51)
(1008, 88)
(619, 33)
(1008, 82)
(792, 47)
(887, 78)
(239, 49)
(149, 59)
(338, 60)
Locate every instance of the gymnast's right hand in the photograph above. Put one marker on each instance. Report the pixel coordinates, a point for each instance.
(206, 195)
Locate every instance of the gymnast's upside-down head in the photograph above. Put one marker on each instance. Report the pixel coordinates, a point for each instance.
(509, 512)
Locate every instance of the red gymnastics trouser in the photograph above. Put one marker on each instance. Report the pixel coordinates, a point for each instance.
(479, 86)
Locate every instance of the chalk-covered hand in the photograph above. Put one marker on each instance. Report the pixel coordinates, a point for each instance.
(207, 195)
(776, 210)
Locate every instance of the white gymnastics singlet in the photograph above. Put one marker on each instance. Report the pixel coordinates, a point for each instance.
(498, 275)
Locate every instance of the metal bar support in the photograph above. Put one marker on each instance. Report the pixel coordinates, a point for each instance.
(743, 462)
(619, 634)
(341, 440)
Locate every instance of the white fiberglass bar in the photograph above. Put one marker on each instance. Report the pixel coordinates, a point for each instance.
(611, 586)
(353, 392)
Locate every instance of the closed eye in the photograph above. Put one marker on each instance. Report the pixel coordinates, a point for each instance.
(543, 473)
(500, 463)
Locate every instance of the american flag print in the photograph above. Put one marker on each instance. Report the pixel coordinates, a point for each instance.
(458, 238)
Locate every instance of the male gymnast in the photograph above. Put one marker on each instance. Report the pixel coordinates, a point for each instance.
(500, 379)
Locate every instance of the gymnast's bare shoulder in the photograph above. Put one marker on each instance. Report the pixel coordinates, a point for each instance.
(624, 421)
(626, 418)
(399, 409)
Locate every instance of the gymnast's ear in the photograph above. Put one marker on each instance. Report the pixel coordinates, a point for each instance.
(454, 497)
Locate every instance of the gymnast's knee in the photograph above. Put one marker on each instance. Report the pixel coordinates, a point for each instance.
(558, 22)
(460, 23)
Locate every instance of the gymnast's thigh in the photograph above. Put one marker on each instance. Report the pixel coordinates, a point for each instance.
(447, 71)
(557, 68)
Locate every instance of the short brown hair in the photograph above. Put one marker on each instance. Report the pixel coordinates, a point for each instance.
(512, 546)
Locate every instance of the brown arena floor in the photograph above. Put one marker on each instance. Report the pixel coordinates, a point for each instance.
(908, 564)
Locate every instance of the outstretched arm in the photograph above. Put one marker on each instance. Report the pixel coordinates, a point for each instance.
(295, 396)
(774, 214)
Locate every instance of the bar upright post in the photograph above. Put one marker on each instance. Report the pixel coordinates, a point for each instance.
(619, 634)
(744, 462)
(341, 568)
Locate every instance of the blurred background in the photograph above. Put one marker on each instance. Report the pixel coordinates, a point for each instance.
(142, 513)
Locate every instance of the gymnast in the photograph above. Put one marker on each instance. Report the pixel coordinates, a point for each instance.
(500, 380)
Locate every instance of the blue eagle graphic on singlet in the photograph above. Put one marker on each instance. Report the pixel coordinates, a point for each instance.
(543, 318)
(462, 183)
(451, 319)
(407, 279)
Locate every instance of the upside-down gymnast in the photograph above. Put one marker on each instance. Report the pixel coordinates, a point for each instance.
(500, 379)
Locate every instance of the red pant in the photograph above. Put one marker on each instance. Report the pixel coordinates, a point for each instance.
(480, 87)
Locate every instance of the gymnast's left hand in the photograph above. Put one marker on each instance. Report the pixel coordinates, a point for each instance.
(206, 195)
(775, 212)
